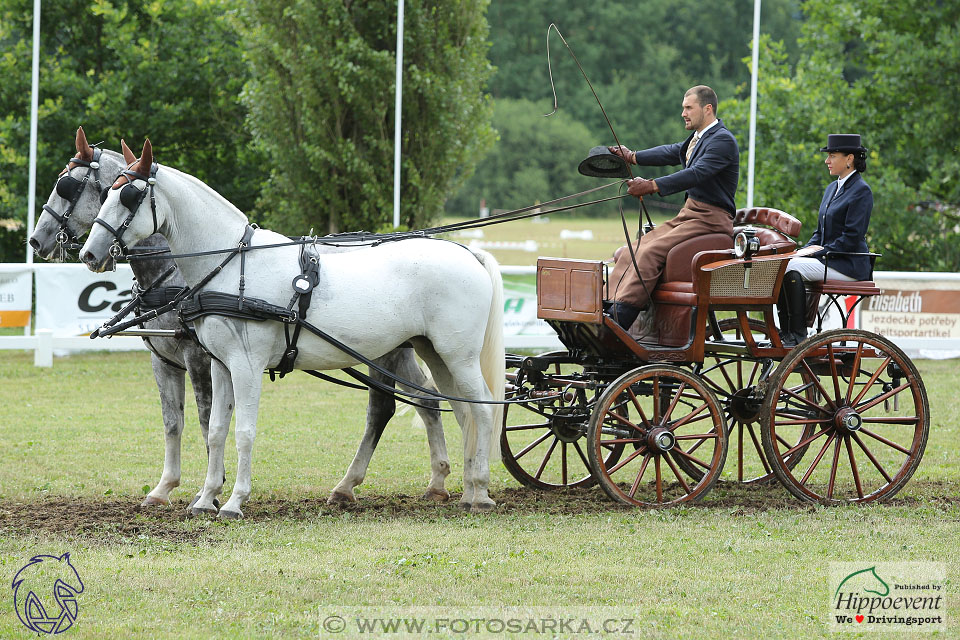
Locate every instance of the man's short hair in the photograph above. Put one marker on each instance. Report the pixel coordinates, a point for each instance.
(705, 95)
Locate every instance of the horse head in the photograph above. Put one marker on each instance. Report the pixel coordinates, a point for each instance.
(75, 199)
(117, 225)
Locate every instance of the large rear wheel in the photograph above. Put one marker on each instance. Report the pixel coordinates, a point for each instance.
(868, 412)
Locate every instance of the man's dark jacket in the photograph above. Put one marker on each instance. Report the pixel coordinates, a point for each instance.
(713, 171)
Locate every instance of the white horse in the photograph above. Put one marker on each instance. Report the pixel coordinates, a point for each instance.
(72, 206)
(445, 300)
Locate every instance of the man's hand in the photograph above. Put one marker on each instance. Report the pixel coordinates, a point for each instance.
(624, 153)
(640, 187)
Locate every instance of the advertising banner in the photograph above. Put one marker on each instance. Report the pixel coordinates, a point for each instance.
(919, 312)
(16, 292)
(521, 327)
(73, 301)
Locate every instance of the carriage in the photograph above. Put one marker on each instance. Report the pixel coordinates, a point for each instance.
(841, 417)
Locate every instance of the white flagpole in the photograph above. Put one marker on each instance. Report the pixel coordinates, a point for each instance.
(396, 118)
(753, 101)
(34, 101)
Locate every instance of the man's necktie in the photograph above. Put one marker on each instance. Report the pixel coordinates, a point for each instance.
(693, 143)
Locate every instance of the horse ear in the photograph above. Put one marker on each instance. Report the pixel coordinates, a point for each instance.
(128, 156)
(146, 158)
(83, 147)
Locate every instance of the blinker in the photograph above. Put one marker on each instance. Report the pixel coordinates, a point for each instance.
(68, 187)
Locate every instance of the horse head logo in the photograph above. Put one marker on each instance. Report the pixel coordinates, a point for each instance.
(868, 581)
(46, 580)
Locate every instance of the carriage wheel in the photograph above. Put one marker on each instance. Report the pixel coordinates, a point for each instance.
(659, 414)
(541, 443)
(734, 380)
(869, 414)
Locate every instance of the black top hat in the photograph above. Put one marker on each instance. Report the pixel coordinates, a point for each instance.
(600, 163)
(849, 142)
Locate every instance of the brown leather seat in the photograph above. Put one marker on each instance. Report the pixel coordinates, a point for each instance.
(674, 298)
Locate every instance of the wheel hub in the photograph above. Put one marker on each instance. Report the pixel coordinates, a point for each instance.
(569, 427)
(661, 439)
(848, 420)
(743, 406)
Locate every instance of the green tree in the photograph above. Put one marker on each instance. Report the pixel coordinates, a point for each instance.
(535, 158)
(884, 70)
(168, 69)
(321, 107)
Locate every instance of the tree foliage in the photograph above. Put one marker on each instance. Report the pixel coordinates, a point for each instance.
(321, 107)
(640, 58)
(168, 69)
(883, 70)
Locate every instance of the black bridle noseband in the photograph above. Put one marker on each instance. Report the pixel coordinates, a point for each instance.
(131, 198)
(70, 189)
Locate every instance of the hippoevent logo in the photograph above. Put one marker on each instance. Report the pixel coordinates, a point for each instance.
(893, 596)
(45, 594)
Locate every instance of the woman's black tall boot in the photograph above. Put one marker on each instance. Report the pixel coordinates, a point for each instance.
(792, 308)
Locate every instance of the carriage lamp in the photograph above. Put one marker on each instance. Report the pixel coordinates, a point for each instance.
(746, 243)
(744, 246)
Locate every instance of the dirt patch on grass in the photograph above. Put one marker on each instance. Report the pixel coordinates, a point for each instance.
(119, 520)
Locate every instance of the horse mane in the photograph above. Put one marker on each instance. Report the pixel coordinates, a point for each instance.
(227, 205)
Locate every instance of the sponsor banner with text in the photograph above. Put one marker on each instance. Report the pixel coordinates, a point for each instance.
(16, 288)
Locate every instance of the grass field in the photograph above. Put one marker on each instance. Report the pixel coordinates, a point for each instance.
(80, 443)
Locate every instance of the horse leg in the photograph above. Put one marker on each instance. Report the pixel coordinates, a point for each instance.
(171, 385)
(198, 366)
(247, 384)
(221, 411)
(380, 408)
(465, 380)
(407, 367)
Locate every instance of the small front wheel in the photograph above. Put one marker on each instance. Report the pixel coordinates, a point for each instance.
(666, 420)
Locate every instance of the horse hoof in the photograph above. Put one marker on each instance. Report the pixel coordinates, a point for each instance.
(483, 507)
(216, 503)
(337, 497)
(230, 515)
(151, 501)
(436, 495)
(199, 511)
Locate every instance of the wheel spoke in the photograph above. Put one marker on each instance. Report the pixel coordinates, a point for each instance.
(809, 403)
(636, 482)
(803, 443)
(687, 419)
(623, 463)
(623, 420)
(636, 403)
(756, 445)
(676, 472)
(753, 372)
(853, 467)
(833, 469)
(692, 459)
(546, 458)
(673, 403)
(583, 458)
(855, 372)
(527, 427)
(872, 458)
(816, 382)
(659, 480)
(533, 444)
(873, 378)
(833, 373)
(883, 396)
(885, 441)
(816, 460)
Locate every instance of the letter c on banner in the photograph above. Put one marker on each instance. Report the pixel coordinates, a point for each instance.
(84, 301)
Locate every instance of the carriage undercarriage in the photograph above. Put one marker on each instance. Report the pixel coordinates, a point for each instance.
(841, 417)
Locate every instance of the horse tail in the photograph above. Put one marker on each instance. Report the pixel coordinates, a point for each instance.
(492, 357)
